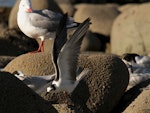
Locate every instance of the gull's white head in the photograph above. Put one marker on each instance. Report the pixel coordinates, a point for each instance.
(25, 5)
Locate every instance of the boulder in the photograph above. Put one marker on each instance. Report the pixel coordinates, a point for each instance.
(141, 104)
(32, 64)
(4, 14)
(3, 27)
(89, 1)
(126, 7)
(130, 31)
(66, 6)
(91, 42)
(16, 97)
(4, 60)
(109, 1)
(107, 80)
(63, 108)
(102, 16)
(18, 43)
(47, 45)
(101, 89)
(37, 5)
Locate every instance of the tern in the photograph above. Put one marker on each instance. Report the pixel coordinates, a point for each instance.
(65, 57)
(40, 24)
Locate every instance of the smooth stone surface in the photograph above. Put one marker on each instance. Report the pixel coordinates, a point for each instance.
(142, 103)
(130, 31)
(102, 16)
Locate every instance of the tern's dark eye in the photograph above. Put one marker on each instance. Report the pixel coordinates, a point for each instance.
(15, 73)
(53, 87)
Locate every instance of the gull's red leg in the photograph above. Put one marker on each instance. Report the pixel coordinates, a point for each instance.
(40, 49)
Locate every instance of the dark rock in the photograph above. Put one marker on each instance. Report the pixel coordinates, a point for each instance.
(14, 43)
(4, 14)
(4, 60)
(16, 97)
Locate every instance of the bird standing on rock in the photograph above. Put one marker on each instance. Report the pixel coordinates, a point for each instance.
(39, 23)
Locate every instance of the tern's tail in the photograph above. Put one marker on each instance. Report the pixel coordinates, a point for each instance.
(81, 74)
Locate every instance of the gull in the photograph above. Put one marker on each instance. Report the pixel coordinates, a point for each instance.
(65, 57)
(40, 24)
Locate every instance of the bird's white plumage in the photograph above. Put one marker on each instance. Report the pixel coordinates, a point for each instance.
(143, 61)
(140, 69)
(36, 83)
(39, 23)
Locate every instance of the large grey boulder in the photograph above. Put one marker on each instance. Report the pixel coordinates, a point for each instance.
(130, 31)
(99, 91)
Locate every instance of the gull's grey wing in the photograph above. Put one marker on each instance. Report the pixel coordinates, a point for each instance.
(68, 57)
(59, 41)
(45, 19)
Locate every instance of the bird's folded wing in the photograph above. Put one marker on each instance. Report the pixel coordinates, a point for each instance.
(42, 20)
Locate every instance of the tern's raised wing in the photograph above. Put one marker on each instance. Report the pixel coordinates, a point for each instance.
(68, 57)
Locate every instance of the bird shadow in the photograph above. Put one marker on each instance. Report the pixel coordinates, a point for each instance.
(130, 96)
(80, 97)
